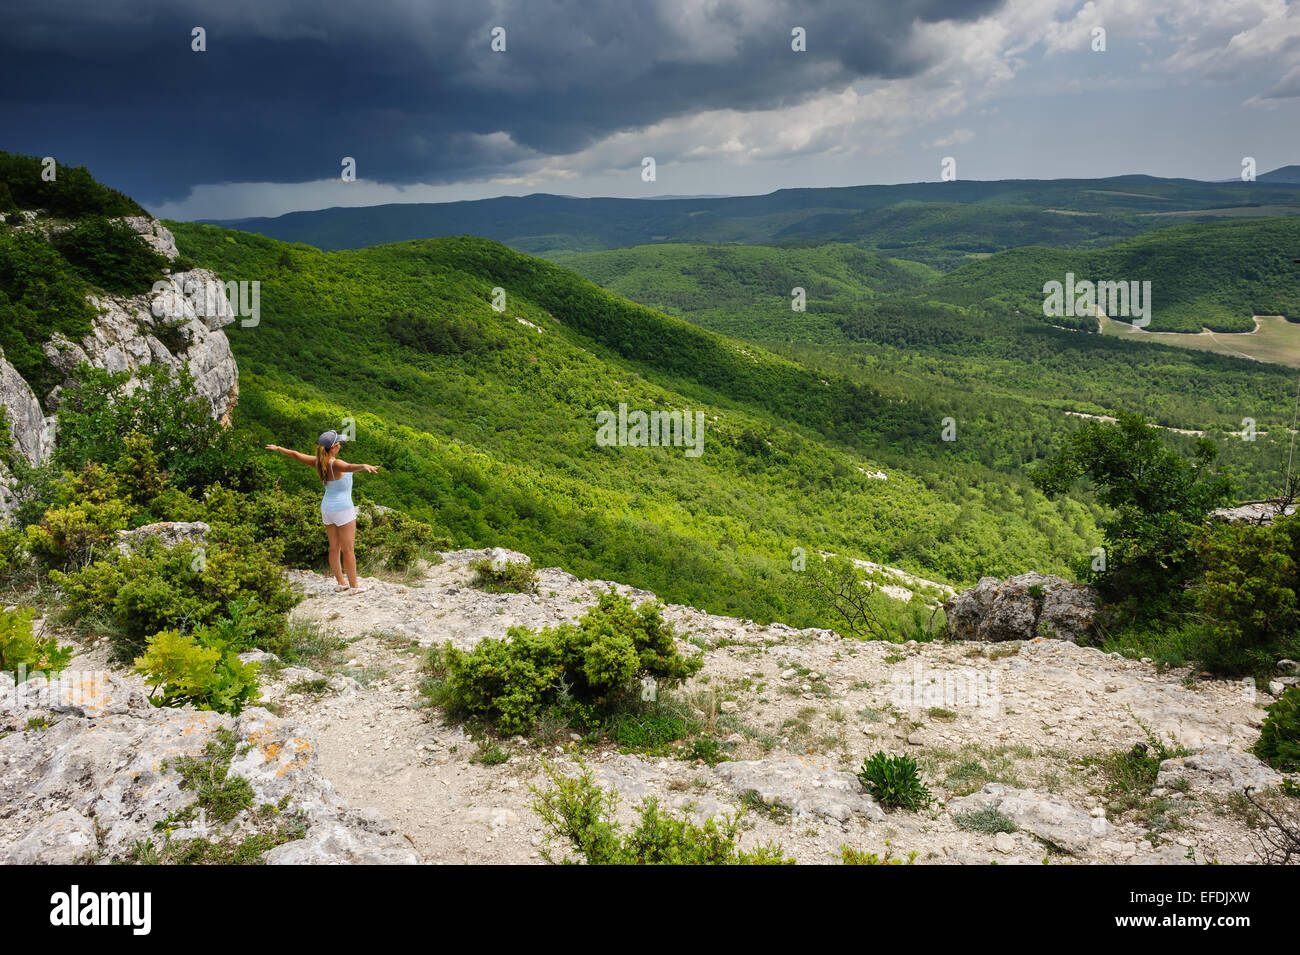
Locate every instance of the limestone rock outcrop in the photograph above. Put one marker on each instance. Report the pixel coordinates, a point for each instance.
(88, 767)
(179, 323)
(1049, 817)
(1216, 770)
(1022, 608)
(169, 533)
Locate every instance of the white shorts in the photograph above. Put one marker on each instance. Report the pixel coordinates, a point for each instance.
(338, 518)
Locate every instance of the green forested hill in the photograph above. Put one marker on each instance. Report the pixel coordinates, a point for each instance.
(746, 290)
(975, 340)
(486, 426)
(475, 375)
(940, 223)
(1214, 275)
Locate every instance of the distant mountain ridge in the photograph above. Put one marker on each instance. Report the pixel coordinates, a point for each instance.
(1284, 174)
(940, 223)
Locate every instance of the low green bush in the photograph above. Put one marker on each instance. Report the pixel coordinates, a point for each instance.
(86, 515)
(505, 577)
(577, 812)
(22, 653)
(1157, 498)
(72, 194)
(288, 521)
(649, 731)
(894, 781)
(851, 856)
(1131, 773)
(200, 670)
(988, 820)
(99, 416)
(1279, 738)
(1246, 594)
(386, 539)
(138, 471)
(110, 255)
(389, 540)
(154, 589)
(13, 553)
(596, 664)
(40, 296)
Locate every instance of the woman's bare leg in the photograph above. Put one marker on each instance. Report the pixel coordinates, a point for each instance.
(347, 542)
(335, 553)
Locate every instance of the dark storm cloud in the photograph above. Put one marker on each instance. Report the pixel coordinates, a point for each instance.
(286, 90)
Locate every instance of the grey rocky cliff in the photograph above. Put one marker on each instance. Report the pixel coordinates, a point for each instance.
(31, 431)
(129, 334)
(177, 323)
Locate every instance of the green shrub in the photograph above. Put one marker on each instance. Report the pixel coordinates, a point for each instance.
(40, 296)
(70, 536)
(390, 540)
(577, 812)
(490, 754)
(1246, 593)
(707, 749)
(894, 781)
(594, 663)
(218, 795)
(202, 669)
(1157, 498)
(154, 589)
(23, 654)
(1279, 738)
(182, 670)
(86, 515)
(138, 472)
(649, 731)
(1131, 773)
(72, 194)
(7, 449)
(35, 490)
(99, 415)
(506, 577)
(851, 856)
(13, 552)
(989, 820)
(290, 522)
(111, 255)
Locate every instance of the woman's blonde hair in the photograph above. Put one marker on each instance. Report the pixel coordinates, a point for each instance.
(324, 462)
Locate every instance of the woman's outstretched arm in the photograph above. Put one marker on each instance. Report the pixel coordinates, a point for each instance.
(290, 453)
(340, 465)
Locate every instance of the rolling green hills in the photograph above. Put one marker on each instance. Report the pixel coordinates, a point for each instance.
(941, 223)
(485, 418)
(745, 290)
(485, 424)
(1215, 275)
(966, 342)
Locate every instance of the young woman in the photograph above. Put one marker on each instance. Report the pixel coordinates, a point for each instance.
(336, 509)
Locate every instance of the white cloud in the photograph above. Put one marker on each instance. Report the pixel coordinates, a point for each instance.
(955, 138)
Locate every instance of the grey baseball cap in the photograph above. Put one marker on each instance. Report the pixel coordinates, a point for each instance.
(330, 438)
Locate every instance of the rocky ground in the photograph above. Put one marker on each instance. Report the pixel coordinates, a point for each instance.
(1023, 727)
